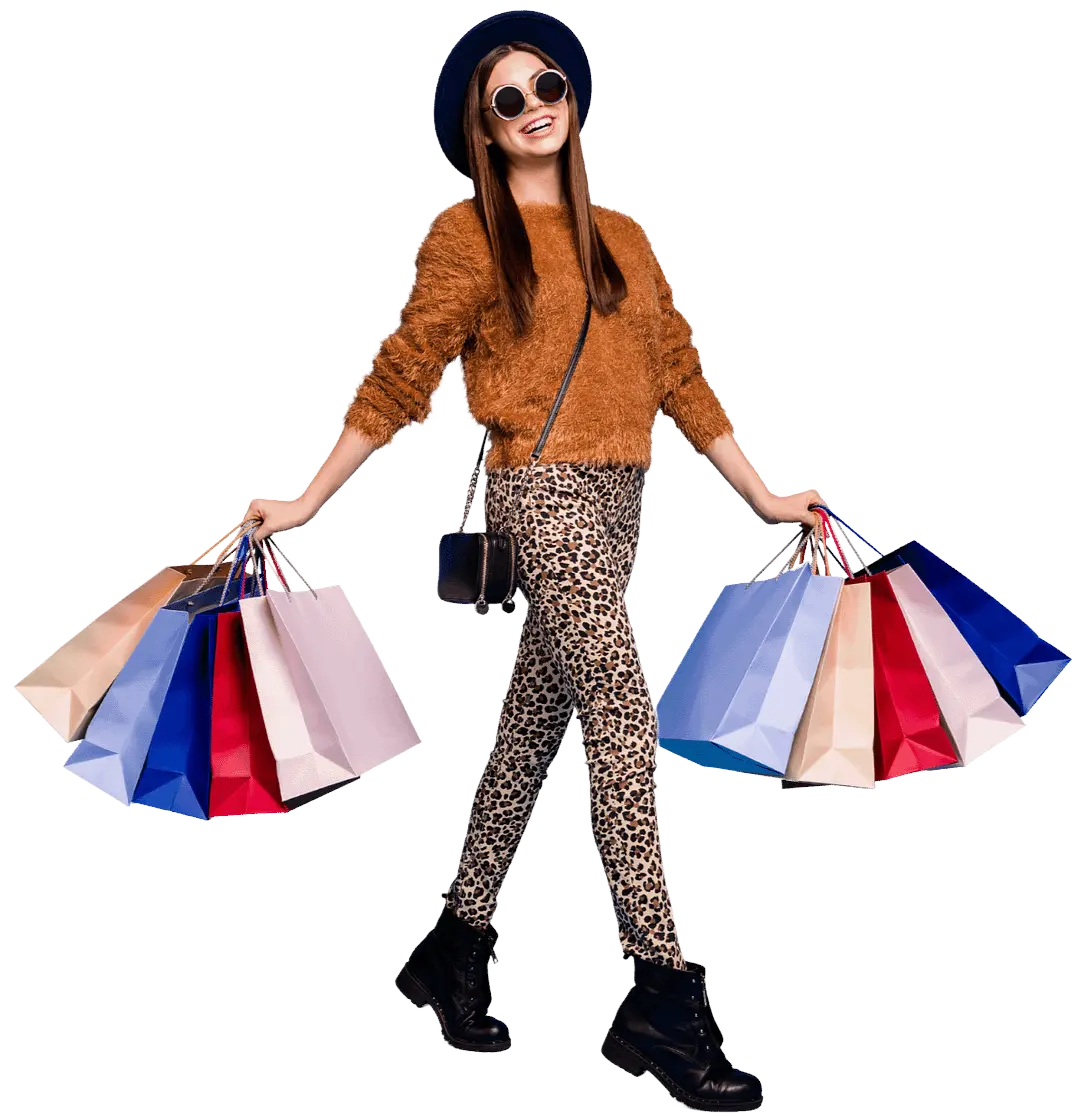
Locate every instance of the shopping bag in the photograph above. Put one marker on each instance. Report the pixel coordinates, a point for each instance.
(68, 686)
(738, 694)
(112, 753)
(331, 656)
(974, 713)
(310, 760)
(834, 739)
(176, 774)
(243, 775)
(1022, 663)
(909, 733)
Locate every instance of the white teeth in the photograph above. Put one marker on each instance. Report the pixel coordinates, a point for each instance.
(539, 126)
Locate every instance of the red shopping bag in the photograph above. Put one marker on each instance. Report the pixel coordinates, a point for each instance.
(243, 770)
(908, 734)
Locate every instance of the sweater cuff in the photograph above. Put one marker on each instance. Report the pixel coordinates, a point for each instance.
(376, 425)
(697, 412)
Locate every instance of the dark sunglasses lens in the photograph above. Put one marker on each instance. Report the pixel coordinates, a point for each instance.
(550, 87)
(509, 102)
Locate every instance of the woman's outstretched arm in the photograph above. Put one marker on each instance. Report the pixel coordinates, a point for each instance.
(688, 398)
(352, 449)
(727, 456)
(452, 282)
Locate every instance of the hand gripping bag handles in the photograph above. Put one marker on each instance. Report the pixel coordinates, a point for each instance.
(475, 567)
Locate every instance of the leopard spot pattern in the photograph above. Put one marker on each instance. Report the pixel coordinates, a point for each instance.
(576, 526)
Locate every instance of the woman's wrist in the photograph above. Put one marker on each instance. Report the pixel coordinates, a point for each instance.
(766, 506)
(308, 504)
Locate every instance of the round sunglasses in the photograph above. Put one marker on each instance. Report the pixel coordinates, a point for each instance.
(509, 101)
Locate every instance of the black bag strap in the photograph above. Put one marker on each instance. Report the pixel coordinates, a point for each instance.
(535, 454)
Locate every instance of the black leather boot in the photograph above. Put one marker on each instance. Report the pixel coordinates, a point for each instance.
(665, 1026)
(448, 970)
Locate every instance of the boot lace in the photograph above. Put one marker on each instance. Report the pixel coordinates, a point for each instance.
(703, 1030)
(487, 945)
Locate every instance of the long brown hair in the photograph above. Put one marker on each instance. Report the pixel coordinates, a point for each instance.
(502, 220)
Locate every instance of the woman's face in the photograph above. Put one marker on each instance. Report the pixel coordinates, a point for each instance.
(519, 138)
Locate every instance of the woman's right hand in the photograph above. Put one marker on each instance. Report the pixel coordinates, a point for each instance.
(277, 515)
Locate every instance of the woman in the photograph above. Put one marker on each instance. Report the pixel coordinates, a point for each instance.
(503, 281)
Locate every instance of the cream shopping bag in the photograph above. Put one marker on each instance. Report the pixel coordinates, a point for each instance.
(68, 686)
(834, 739)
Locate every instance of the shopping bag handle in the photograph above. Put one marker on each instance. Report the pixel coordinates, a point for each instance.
(263, 550)
(813, 537)
(823, 511)
(271, 545)
(231, 531)
(790, 541)
(828, 528)
(222, 556)
(274, 545)
(258, 563)
(832, 520)
(854, 549)
(844, 523)
(243, 552)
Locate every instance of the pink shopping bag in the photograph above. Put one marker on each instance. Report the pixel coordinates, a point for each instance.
(326, 646)
(309, 757)
(974, 713)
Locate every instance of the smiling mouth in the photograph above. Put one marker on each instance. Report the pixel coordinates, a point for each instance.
(538, 127)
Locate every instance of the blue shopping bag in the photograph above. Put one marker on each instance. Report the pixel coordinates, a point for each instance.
(176, 773)
(1021, 662)
(112, 753)
(740, 690)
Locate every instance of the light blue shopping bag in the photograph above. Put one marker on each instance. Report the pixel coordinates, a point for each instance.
(737, 696)
(111, 754)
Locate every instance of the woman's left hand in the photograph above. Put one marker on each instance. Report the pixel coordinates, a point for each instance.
(790, 509)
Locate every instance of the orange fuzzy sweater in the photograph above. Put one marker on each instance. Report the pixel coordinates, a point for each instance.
(635, 362)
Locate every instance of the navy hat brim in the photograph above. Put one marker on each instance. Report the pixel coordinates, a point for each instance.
(544, 31)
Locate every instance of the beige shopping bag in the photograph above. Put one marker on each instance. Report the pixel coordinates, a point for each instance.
(834, 739)
(68, 686)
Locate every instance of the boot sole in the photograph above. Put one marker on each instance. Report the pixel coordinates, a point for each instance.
(421, 997)
(623, 1055)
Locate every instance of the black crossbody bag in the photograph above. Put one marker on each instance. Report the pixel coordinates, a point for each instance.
(476, 567)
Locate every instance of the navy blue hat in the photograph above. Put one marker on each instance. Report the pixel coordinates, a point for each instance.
(543, 31)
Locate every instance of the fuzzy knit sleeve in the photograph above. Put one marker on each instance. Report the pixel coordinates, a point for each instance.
(686, 397)
(452, 284)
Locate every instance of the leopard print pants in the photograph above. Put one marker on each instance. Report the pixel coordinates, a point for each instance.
(577, 527)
